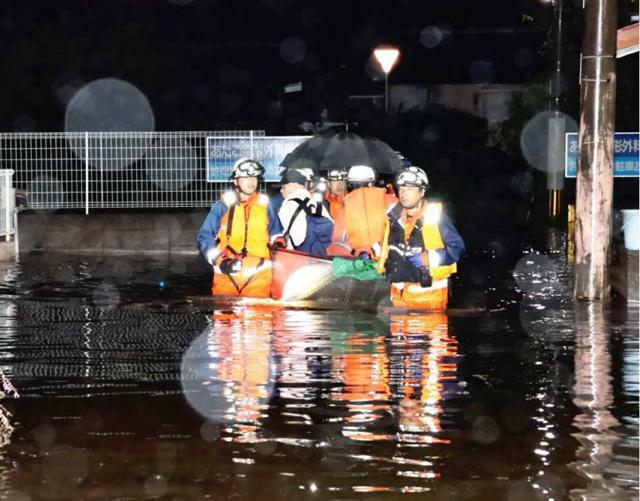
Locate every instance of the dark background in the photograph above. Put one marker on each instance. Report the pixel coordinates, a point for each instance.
(206, 65)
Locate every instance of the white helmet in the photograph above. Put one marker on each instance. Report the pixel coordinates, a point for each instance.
(247, 167)
(412, 176)
(337, 175)
(361, 174)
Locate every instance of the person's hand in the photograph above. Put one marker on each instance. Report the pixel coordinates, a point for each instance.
(415, 260)
(212, 255)
(425, 278)
(279, 243)
(230, 265)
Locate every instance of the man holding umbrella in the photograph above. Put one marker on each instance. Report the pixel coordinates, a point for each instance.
(337, 190)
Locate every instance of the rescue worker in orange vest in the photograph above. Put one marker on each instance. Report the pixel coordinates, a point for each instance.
(337, 189)
(236, 235)
(420, 247)
(359, 228)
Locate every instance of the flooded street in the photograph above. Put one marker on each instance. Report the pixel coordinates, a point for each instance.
(133, 385)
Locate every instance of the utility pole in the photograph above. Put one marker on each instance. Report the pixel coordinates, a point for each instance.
(594, 185)
(557, 125)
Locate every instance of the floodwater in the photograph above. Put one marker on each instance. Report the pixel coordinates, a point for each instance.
(133, 385)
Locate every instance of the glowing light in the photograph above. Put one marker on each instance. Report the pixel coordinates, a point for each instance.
(387, 57)
(432, 214)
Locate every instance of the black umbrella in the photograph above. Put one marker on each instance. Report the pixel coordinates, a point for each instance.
(334, 150)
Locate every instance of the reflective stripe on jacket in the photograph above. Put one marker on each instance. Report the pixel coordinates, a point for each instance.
(424, 236)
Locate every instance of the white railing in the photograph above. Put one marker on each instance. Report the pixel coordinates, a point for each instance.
(85, 170)
(7, 204)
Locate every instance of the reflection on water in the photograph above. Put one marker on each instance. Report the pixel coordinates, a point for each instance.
(6, 430)
(226, 372)
(373, 380)
(154, 395)
(595, 456)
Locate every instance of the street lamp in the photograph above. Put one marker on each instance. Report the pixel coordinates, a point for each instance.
(386, 57)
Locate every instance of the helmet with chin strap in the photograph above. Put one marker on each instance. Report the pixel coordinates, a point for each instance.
(412, 176)
(247, 167)
(337, 175)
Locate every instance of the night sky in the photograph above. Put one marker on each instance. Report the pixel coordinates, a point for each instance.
(214, 64)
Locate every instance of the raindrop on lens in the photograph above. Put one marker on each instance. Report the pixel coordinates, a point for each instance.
(431, 134)
(293, 50)
(536, 273)
(109, 105)
(214, 396)
(522, 183)
(485, 430)
(482, 72)
(209, 431)
(106, 295)
(65, 464)
(156, 486)
(534, 139)
(431, 37)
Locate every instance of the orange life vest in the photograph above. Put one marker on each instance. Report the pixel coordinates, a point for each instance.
(244, 228)
(410, 294)
(362, 222)
(244, 233)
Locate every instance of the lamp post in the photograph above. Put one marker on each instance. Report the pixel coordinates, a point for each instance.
(386, 57)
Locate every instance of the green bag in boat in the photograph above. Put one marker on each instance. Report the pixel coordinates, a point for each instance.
(360, 269)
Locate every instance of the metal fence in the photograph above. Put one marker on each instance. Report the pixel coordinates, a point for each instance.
(7, 204)
(85, 170)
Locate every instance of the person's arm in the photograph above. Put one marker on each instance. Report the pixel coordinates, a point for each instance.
(275, 202)
(206, 238)
(274, 228)
(453, 244)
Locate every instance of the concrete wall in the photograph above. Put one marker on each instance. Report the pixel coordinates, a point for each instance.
(158, 232)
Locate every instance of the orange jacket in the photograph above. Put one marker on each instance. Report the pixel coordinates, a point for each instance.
(362, 221)
(244, 232)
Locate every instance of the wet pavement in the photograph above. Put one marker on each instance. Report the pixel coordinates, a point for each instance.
(134, 385)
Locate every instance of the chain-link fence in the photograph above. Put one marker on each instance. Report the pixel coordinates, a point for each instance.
(79, 170)
(7, 204)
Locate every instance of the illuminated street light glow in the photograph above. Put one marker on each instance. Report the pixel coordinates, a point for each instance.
(386, 57)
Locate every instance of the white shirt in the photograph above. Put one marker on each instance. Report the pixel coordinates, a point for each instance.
(298, 231)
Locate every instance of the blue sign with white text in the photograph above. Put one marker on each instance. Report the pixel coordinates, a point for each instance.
(222, 152)
(626, 151)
